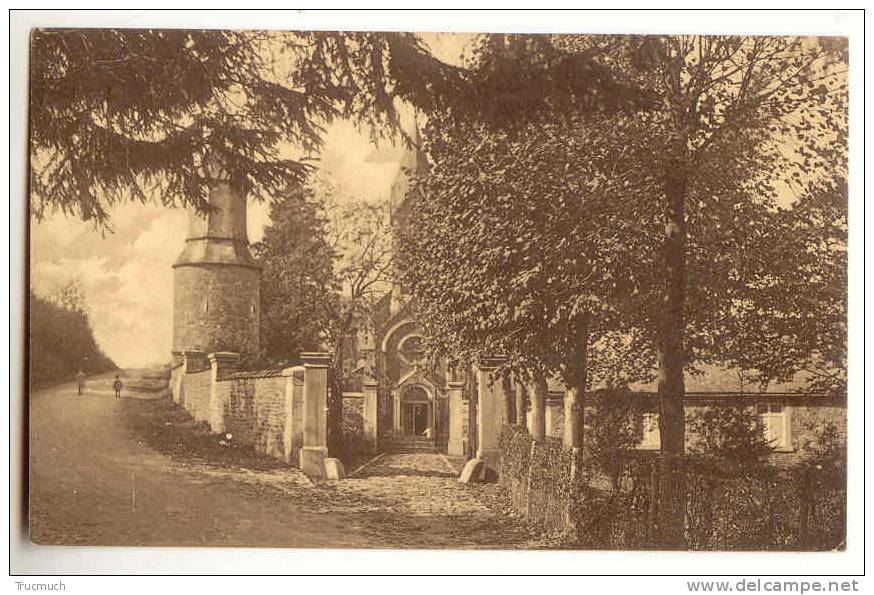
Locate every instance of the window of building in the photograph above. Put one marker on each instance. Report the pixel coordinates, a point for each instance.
(776, 424)
(410, 349)
(651, 438)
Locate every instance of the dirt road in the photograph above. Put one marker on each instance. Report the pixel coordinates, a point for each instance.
(94, 482)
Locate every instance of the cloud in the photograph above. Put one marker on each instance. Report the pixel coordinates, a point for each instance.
(126, 276)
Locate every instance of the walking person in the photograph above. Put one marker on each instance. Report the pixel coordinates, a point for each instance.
(80, 382)
(117, 385)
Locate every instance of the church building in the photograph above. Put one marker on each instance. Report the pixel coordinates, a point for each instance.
(416, 401)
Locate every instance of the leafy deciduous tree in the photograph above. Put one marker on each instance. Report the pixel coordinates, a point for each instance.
(326, 261)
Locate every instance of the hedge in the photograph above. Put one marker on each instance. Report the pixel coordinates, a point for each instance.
(735, 508)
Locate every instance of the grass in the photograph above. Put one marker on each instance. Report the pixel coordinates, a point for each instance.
(169, 429)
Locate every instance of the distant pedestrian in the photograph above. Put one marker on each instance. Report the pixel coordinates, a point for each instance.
(117, 385)
(80, 382)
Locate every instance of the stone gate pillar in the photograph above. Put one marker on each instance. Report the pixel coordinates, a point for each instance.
(521, 405)
(371, 411)
(195, 361)
(292, 436)
(489, 414)
(457, 419)
(221, 364)
(554, 415)
(315, 408)
(573, 419)
(396, 412)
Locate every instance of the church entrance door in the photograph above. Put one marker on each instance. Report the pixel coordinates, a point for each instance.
(415, 418)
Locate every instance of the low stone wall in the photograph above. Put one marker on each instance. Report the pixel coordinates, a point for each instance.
(263, 409)
(271, 416)
(238, 410)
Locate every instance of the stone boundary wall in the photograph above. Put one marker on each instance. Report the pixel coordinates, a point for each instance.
(263, 409)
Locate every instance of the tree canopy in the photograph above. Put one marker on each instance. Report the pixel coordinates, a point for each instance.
(138, 114)
(141, 114)
(297, 275)
(654, 220)
(525, 226)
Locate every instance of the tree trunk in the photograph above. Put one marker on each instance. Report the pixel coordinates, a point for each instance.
(335, 395)
(575, 396)
(521, 405)
(334, 438)
(671, 360)
(509, 405)
(539, 392)
(805, 492)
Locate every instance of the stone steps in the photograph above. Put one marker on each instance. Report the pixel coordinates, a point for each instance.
(413, 444)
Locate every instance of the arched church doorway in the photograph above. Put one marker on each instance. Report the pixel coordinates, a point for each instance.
(417, 412)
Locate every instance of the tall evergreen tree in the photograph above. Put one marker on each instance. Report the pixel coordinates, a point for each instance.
(121, 114)
(297, 277)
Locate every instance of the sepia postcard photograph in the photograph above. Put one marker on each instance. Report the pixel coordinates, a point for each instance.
(407, 289)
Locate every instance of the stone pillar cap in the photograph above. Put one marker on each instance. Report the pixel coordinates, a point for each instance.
(224, 356)
(491, 361)
(316, 359)
(455, 384)
(289, 371)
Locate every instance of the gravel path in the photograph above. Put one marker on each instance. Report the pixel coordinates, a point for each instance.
(93, 482)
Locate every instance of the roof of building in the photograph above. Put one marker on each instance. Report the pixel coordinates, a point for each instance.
(711, 380)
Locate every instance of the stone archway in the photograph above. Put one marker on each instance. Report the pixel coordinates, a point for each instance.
(416, 411)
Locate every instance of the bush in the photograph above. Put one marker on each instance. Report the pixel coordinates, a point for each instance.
(537, 479)
(550, 486)
(821, 481)
(614, 512)
(352, 451)
(515, 446)
(612, 431)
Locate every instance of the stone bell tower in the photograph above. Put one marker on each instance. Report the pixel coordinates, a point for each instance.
(217, 285)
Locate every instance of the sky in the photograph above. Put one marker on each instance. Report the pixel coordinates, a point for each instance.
(126, 274)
